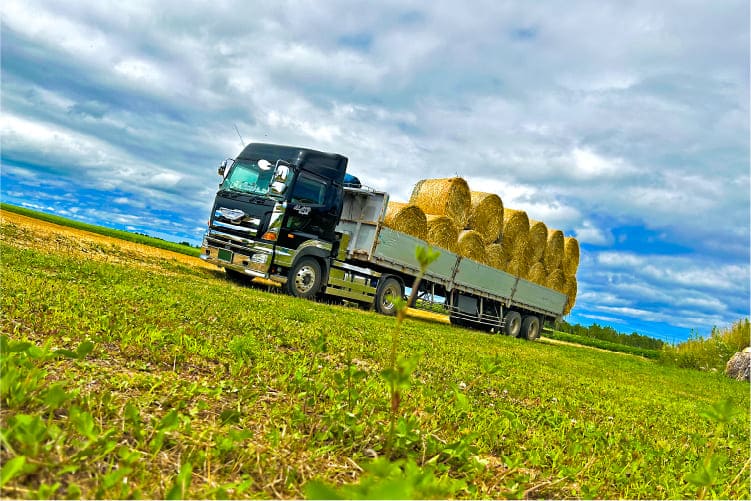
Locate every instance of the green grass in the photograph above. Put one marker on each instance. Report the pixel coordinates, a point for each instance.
(118, 381)
(101, 230)
(603, 345)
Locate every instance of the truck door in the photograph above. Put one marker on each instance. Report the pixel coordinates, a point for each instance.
(312, 212)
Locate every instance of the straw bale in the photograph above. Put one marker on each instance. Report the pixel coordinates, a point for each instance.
(553, 251)
(538, 239)
(470, 245)
(515, 224)
(570, 255)
(555, 280)
(517, 267)
(495, 256)
(407, 218)
(445, 197)
(537, 274)
(517, 250)
(486, 215)
(570, 288)
(442, 232)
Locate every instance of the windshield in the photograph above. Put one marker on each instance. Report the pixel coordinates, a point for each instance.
(246, 176)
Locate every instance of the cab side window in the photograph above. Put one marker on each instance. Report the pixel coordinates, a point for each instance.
(309, 190)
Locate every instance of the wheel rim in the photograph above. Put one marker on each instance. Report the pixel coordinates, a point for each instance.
(305, 279)
(534, 331)
(386, 304)
(516, 324)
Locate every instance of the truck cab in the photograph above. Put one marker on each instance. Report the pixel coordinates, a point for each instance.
(275, 213)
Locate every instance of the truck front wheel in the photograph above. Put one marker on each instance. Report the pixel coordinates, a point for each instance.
(388, 289)
(512, 324)
(304, 279)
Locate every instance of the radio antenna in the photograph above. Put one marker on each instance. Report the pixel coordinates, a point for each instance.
(238, 135)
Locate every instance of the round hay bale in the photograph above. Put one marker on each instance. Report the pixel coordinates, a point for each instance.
(555, 281)
(570, 288)
(515, 225)
(407, 218)
(536, 273)
(538, 240)
(486, 215)
(442, 232)
(470, 245)
(517, 267)
(553, 256)
(570, 255)
(445, 197)
(518, 251)
(495, 256)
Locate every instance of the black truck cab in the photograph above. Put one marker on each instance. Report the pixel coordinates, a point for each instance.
(277, 206)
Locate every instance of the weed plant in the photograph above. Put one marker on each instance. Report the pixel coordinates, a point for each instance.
(125, 381)
(712, 353)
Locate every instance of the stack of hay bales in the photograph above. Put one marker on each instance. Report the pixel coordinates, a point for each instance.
(476, 225)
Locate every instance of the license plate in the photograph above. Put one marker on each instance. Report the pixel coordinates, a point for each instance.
(225, 255)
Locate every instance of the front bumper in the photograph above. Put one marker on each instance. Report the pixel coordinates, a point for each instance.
(249, 257)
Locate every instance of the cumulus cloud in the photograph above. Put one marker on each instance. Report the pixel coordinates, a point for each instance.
(601, 120)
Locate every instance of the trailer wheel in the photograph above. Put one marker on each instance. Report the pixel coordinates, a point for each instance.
(512, 324)
(304, 279)
(530, 327)
(388, 288)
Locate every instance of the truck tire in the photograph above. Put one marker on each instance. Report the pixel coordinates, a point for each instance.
(387, 287)
(512, 324)
(304, 279)
(530, 327)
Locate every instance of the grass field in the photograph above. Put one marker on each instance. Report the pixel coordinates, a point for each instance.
(127, 373)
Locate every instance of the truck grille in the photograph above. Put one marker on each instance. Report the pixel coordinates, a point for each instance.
(235, 222)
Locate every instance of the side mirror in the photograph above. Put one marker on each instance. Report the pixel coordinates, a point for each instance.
(281, 173)
(224, 166)
(278, 188)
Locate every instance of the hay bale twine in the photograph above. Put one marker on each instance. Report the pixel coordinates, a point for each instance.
(515, 225)
(570, 288)
(739, 366)
(495, 256)
(470, 245)
(445, 197)
(442, 232)
(536, 273)
(538, 239)
(570, 255)
(553, 256)
(407, 218)
(486, 215)
(555, 280)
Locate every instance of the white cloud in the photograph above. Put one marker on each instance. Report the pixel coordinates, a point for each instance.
(588, 116)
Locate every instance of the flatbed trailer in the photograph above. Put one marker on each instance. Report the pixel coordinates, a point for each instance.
(471, 293)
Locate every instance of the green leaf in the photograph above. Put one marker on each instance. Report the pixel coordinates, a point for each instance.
(230, 416)
(55, 396)
(319, 490)
(84, 349)
(11, 469)
(169, 421)
(180, 488)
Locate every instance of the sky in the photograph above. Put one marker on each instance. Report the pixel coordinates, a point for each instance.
(624, 124)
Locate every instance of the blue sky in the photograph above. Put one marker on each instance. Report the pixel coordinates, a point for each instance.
(625, 124)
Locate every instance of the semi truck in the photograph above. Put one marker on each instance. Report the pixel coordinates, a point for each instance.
(295, 217)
